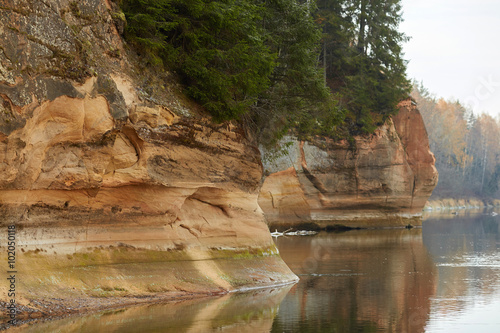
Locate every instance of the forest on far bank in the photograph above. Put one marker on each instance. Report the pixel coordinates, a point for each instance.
(466, 147)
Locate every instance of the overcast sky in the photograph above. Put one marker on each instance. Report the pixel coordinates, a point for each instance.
(455, 49)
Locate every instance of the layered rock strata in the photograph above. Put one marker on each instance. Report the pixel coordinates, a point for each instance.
(114, 185)
(378, 180)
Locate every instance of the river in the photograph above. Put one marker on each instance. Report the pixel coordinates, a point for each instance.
(443, 277)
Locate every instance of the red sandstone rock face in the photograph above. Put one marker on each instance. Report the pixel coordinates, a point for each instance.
(411, 129)
(384, 179)
(95, 155)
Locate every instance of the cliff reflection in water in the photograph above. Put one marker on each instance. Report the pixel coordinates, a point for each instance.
(444, 277)
(236, 312)
(370, 280)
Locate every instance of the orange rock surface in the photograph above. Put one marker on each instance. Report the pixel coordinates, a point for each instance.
(381, 180)
(115, 183)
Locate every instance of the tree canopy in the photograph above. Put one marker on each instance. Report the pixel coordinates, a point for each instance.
(331, 67)
(362, 56)
(218, 47)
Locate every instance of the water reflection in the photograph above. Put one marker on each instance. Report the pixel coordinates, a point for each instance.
(467, 255)
(444, 277)
(359, 281)
(238, 312)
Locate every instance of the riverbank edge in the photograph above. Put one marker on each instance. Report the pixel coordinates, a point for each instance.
(396, 222)
(62, 308)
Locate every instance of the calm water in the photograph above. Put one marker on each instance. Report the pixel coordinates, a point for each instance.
(444, 277)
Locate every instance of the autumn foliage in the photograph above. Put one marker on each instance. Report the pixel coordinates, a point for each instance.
(466, 147)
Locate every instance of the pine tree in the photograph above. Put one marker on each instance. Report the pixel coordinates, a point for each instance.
(298, 97)
(236, 56)
(217, 47)
(365, 64)
(265, 56)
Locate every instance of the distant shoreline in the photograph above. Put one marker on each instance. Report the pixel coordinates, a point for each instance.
(434, 205)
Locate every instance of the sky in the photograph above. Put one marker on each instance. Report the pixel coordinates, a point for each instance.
(455, 50)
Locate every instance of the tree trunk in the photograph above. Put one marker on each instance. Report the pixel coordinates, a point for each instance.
(484, 164)
(324, 61)
(362, 26)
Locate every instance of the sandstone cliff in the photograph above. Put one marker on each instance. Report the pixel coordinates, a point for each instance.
(379, 180)
(116, 186)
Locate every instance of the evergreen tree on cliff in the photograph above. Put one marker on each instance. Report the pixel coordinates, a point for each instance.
(362, 55)
(217, 48)
(333, 67)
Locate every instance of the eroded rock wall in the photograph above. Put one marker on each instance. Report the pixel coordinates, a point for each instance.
(104, 169)
(379, 180)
